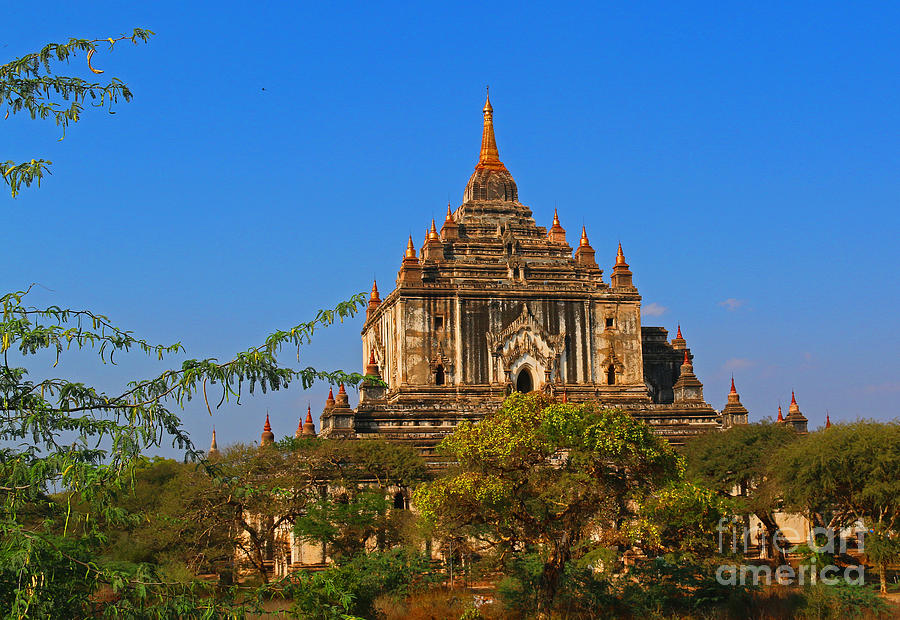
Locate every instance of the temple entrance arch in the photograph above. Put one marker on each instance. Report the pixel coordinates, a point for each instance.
(524, 380)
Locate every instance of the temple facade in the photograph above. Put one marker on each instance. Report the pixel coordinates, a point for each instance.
(491, 303)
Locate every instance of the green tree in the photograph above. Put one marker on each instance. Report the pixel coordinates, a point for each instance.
(551, 478)
(360, 480)
(736, 462)
(29, 85)
(684, 517)
(66, 443)
(849, 472)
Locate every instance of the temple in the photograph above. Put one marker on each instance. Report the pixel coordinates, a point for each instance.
(493, 303)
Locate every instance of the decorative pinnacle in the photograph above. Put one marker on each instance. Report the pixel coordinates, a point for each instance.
(489, 158)
(372, 356)
(309, 419)
(449, 215)
(678, 335)
(827, 420)
(213, 445)
(410, 249)
(733, 391)
(620, 257)
(374, 295)
(267, 427)
(687, 360)
(584, 238)
(330, 395)
(432, 234)
(793, 398)
(555, 217)
(780, 417)
(342, 390)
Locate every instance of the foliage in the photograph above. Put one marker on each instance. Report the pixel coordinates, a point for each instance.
(65, 437)
(677, 583)
(684, 517)
(29, 84)
(842, 600)
(546, 477)
(850, 472)
(350, 589)
(738, 460)
(356, 509)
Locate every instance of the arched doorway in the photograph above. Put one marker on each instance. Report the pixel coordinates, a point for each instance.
(611, 375)
(524, 382)
(439, 375)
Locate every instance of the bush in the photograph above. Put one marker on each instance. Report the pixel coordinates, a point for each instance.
(843, 601)
(679, 584)
(353, 586)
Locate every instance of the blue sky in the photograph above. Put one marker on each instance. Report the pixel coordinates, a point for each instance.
(277, 155)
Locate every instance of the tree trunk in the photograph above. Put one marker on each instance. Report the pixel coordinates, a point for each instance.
(549, 584)
(551, 575)
(882, 576)
(774, 553)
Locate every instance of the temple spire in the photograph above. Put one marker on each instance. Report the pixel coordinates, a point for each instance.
(489, 158)
(557, 233)
(733, 391)
(621, 276)
(620, 257)
(827, 420)
(308, 429)
(267, 437)
(374, 300)
(213, 446)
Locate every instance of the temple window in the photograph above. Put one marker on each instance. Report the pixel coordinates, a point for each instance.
(611, 375)
(438, 322)
(610, 322)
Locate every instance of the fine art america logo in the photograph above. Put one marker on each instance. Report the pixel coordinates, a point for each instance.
(821, 544)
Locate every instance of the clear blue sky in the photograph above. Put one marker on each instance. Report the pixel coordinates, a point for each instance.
(746, 157)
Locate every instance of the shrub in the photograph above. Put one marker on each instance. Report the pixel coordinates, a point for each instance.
(842, 601)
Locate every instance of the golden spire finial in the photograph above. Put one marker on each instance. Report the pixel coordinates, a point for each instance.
(555, 217)
(374, 295)
(410, 249)
(449, 214)
(489, 159)
(620, 259)
(584, 238)
(432, 234)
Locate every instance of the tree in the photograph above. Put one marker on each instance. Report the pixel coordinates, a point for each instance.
(360, 480)
(850, 472)
(66, 442)
(736, 462)
(28, 84)
(684, 517)
(550, 477)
